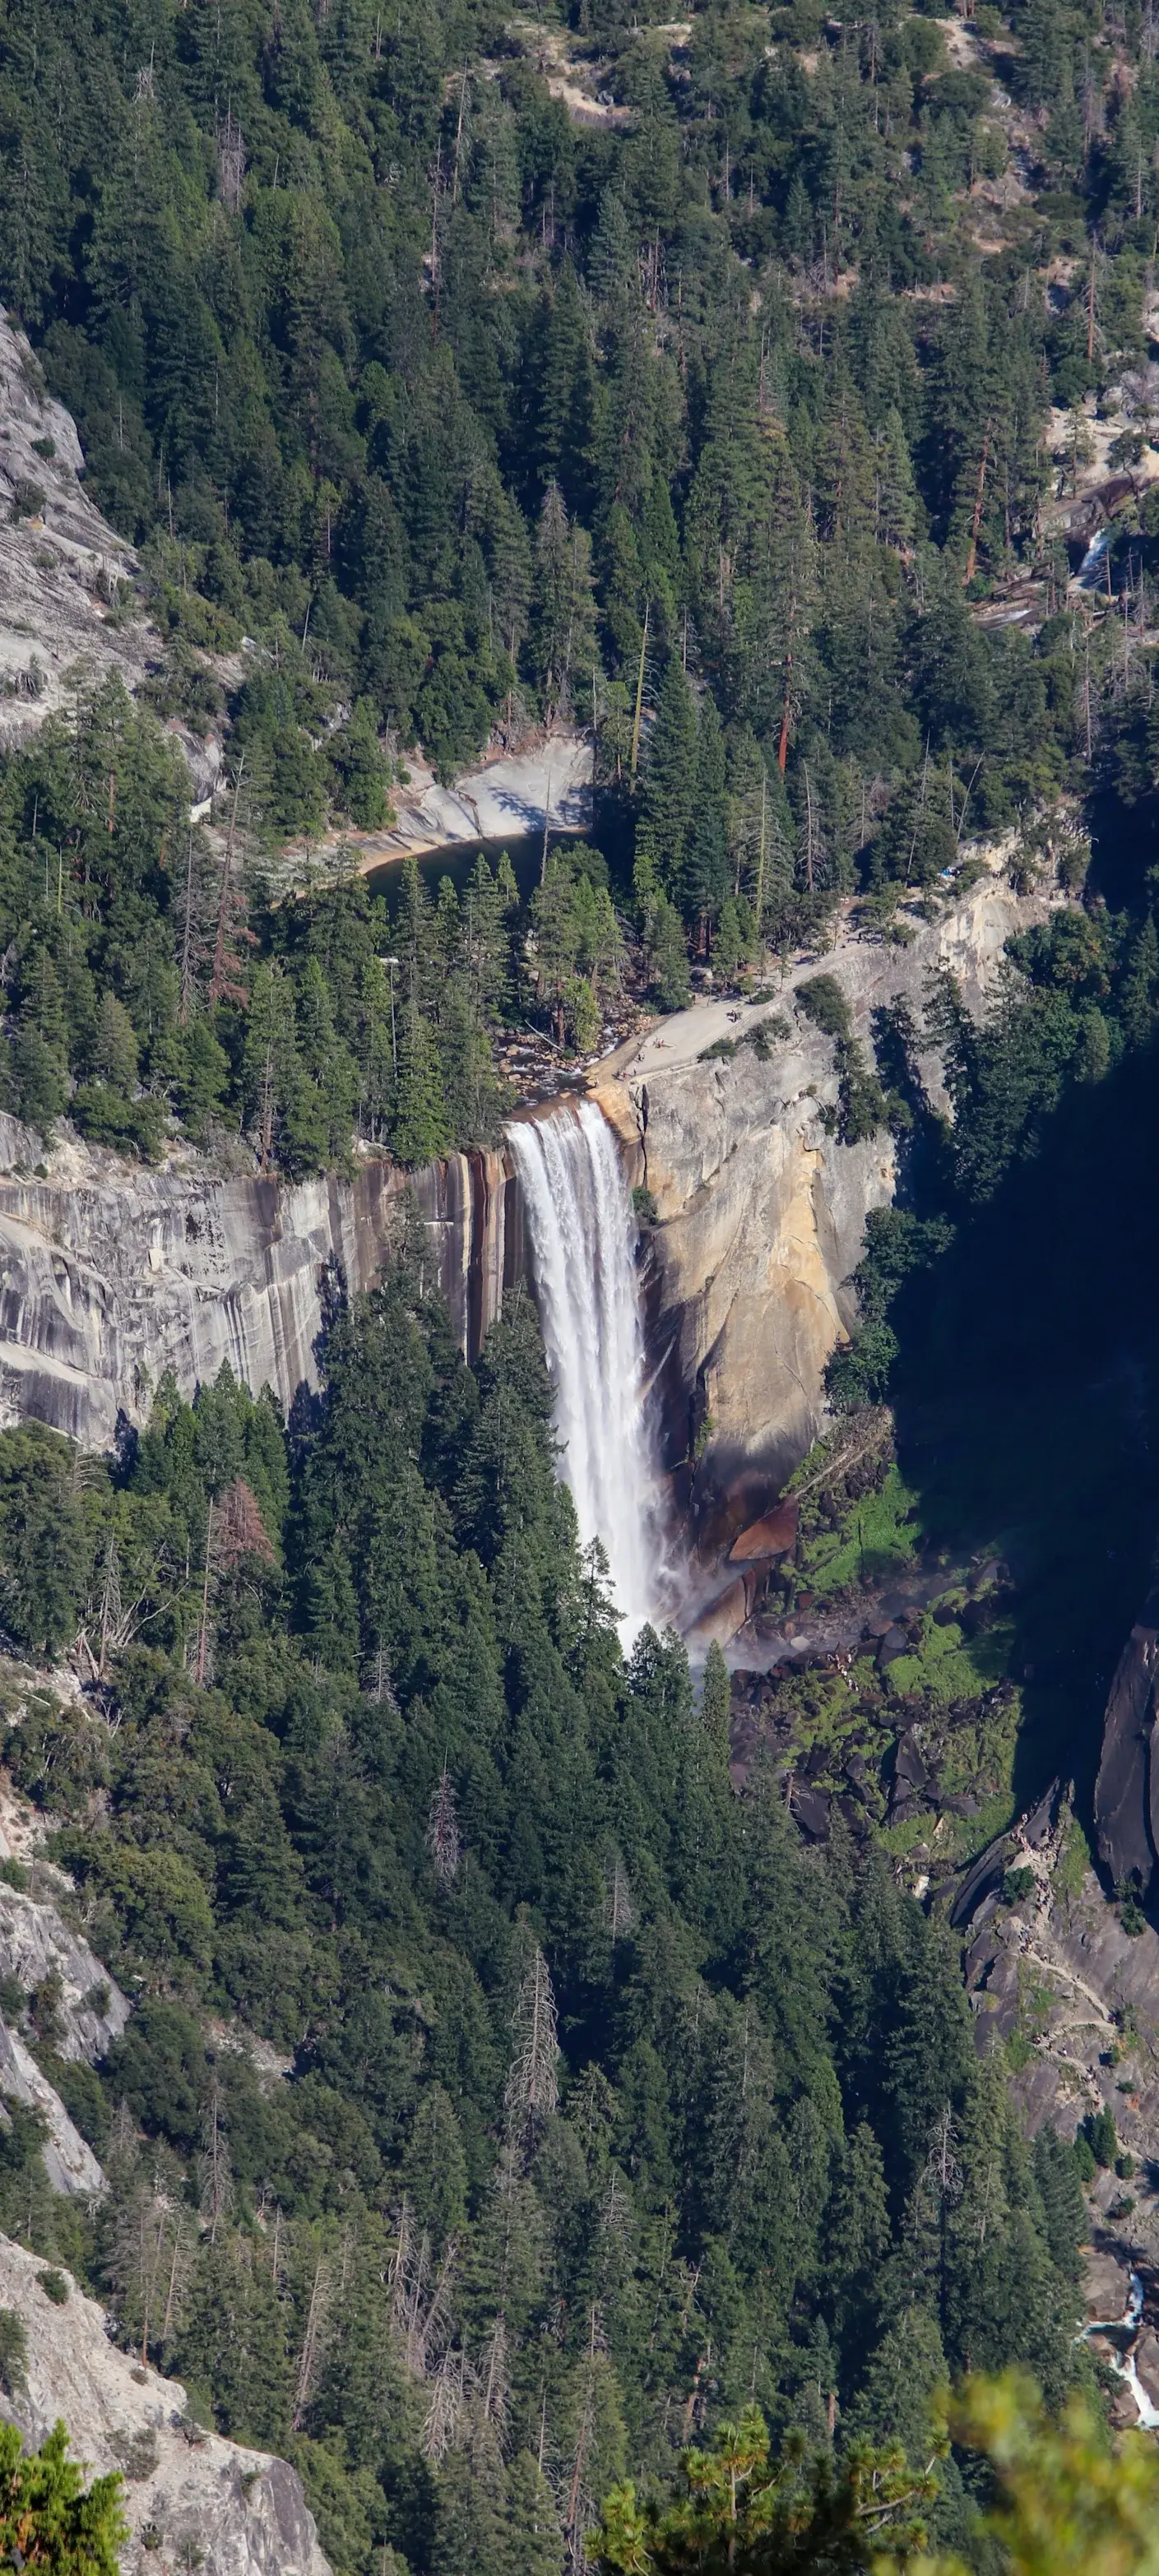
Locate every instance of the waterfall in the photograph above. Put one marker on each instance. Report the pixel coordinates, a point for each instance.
(583, 1241)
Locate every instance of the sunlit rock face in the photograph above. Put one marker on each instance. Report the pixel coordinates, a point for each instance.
(761, 1218)
(219, 2506)
(761, 1209)
(110, 1274)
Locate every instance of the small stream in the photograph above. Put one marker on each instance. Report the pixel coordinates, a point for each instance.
(1123, 2364)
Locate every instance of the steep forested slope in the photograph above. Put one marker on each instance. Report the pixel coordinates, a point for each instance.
(605, 2103)
(591, 2101)
(445, 395)
(730, 402)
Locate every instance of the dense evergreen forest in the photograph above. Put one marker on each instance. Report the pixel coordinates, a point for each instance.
(716, 418)
(593, 2102)
(611, 2105)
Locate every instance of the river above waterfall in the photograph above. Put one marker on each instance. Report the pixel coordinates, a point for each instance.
(457, 860)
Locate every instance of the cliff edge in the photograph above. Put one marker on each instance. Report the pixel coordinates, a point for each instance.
(190, 2499)
(760, 1208)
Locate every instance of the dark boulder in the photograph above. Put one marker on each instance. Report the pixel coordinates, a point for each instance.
(1127, 1790)
(809, 1809)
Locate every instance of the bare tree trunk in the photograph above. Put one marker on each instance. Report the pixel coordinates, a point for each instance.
(640, 692)
(203, 1633)
(217, 981)
(976, 522)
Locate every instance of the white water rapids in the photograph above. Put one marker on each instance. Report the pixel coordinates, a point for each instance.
(583, 1242)
(1124, 2362)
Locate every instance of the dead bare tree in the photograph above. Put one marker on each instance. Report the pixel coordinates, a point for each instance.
(532, 2089)
(230, 162)
(213, 2162)
(621, 1909)
(580, 2502)
(148, 2244)
(314, 2341)
(420, 2298)
(494, 2385)
(107, 1629)
(445, 2412)
(444, 1840)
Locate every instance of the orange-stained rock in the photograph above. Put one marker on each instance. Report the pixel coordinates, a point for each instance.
(770, 1536)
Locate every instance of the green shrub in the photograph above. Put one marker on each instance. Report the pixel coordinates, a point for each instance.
(13, 2352)
(823, 1002)
(1101, 2136)
(1085, 2160)
(108, 1117)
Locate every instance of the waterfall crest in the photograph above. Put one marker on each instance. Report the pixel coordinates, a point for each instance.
(583, 1242)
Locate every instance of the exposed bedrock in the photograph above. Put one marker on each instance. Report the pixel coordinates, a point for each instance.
(746, 1279)
(1127, 1789)
(762, 1210)
(205, 2503)
(109, 1275)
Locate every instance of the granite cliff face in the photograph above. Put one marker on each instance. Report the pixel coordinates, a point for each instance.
(1127, 1789)
(62, 567)
(761, 1210)
(89, 2011)
(189, 2498)
(110, 1274)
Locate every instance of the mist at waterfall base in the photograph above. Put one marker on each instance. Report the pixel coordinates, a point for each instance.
(583, 1244)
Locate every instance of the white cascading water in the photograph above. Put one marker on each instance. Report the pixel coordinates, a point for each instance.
(583, 1241)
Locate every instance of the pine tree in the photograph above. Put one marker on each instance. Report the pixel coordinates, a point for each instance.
(414, 935)
(434, 2171)
(716, 1703)
(271, 1070)
(534, 2539)
(668, 803)
(704, 874)
(115, 1046)
(471, 2513)
(1138, 1000)
(533, 2080)
(420, 1129)
(485, 940)
(895, 498)
(377, 1048)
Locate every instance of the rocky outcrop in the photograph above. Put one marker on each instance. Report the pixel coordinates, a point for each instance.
(547, 784)
(189, 2498)
(64, 573)
(761, 1223)
(1127, 1789)
(83, 2011)
(36, 1944)
(68, 2160)
(110, 1274)
(761, 1210)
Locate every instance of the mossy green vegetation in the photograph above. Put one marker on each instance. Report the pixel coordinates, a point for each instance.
(876, 1536)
